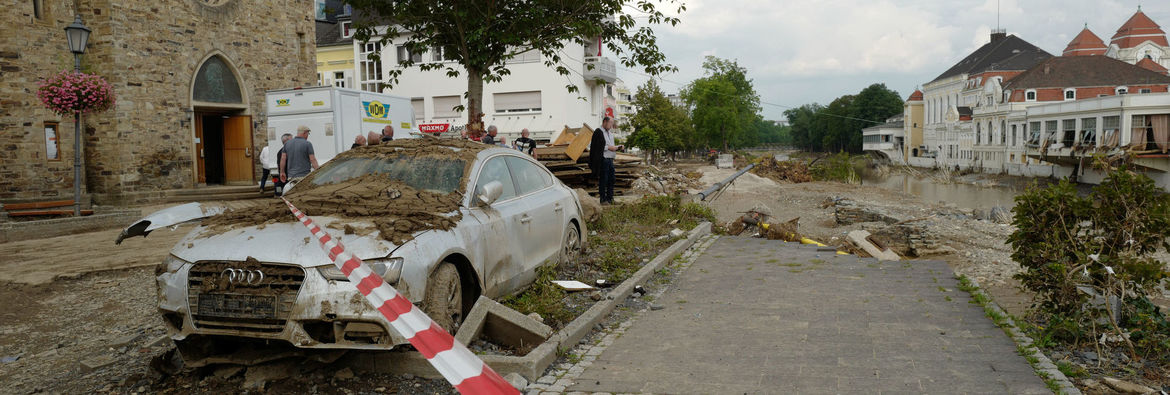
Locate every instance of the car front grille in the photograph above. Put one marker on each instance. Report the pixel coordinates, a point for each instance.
(242, 296)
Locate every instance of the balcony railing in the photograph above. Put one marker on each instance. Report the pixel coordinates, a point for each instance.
(599, 68)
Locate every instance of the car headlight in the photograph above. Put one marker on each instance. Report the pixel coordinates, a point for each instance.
(389, 268)
(173, 263)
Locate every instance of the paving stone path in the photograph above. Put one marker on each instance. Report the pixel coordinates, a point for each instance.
(757, 316)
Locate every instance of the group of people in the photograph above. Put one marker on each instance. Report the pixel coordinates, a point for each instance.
(294, 160)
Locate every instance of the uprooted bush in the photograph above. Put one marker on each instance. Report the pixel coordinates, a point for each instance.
(1089, 261)
(836, 167)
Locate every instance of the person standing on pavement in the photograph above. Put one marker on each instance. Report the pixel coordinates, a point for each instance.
(602, 151)
(298, 159)
(278, 183)
(387, 133)
(524, 144)
(268, 162)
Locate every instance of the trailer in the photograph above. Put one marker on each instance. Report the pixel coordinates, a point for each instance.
(336, 116)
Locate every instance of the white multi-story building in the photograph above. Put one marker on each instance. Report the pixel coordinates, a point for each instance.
(534, 96)
(886, 141)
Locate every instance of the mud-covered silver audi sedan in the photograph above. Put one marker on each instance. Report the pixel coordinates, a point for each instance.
(404, 208)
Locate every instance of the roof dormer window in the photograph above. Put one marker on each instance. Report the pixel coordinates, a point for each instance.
(346, 30)
(1030, 95)
(1070, 94)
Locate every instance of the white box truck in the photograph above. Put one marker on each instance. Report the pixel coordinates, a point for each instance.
(336, 116)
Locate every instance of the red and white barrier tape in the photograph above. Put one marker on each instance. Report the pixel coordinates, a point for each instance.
(455, 362)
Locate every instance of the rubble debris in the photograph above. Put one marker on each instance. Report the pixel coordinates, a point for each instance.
(1000, 215)
(572, 285)
(502, 326)
(676, 232)
(1126, 387)
(603, 283)
(861, 238)
(590, 206)
(95, 363)
(516, 380)
(536, 316)
(260, 375)
(9, 359)
(228, 371)
(848, 212)
(786, 231)
(656, 307)
(344, 374)
(123, 341)
(907, 239)
(566, 158)
(788, 171)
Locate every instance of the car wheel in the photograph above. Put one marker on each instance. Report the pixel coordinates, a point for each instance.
(444, 297)
(571, 246)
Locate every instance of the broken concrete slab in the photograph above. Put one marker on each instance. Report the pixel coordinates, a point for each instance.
(1126, 387)
(95, 363)
(123, 341)
(502, 325)
(860, 238)
(517, 381)
(260, 375)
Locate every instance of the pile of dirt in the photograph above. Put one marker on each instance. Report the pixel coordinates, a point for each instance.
(394, 208)
(792, 171)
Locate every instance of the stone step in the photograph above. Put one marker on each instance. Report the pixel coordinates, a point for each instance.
(252, 193)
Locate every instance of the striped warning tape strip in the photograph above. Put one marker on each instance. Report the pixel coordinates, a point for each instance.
(455, 362)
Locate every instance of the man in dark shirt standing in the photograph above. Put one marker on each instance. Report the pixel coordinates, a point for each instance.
(279, 183)
(602, 151)
(298, 158)
(524, 144)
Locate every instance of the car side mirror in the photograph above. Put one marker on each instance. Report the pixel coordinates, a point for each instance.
(490, 192)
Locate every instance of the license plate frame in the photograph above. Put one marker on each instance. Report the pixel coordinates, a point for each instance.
(237, 306)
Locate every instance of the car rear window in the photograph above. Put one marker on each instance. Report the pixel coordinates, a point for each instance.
(435, 174)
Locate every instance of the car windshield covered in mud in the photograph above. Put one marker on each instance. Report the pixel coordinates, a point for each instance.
(443, 221)
(439, 175)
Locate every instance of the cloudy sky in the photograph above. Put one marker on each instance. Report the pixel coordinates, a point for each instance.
(804, 51)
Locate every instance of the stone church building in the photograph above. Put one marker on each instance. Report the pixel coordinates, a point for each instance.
(189, 76)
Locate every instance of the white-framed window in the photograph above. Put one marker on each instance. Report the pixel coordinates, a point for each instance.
(514, 102)
(371, 71)
(341, 79)
(1070, 94)
(1121, 90)
(444, 106)
(1145, 90)
(1030, 95)
(1007, 96)
(416, 103)
(405, 53)
(440, 54)
(529, 56)
(346, 29)
(320, 79)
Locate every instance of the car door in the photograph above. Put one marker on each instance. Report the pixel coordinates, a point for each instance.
(542, 222)
(498, 243)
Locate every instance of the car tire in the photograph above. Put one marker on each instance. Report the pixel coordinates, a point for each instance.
(444, 297)
(571, 245)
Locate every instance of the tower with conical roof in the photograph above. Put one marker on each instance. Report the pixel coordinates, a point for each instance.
(1085, 44)
(1140, 38)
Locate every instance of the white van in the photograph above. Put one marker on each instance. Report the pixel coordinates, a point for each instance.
(336, 116)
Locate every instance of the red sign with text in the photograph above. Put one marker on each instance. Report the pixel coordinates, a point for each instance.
(434, 127)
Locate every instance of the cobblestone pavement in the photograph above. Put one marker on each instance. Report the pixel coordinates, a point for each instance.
(757, 316)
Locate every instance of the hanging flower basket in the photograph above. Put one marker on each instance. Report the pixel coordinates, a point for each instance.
(68, 92)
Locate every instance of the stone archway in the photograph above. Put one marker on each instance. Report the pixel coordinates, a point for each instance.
(222, 129)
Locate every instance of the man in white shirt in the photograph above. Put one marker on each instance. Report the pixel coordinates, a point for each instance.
(602, 151)
(268, 161)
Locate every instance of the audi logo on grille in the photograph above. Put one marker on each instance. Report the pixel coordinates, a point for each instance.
(243, 276)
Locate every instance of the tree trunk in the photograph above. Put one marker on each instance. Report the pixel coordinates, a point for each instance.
(474, 94)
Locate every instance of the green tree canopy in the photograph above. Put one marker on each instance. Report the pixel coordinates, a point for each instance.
(724, 104)
(480, 36)
(659, 125)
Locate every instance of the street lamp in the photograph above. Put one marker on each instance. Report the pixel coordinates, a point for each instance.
(78, 36)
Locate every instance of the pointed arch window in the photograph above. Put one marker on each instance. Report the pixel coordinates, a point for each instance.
(216, 83)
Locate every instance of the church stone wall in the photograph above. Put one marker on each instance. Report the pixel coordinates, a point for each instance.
(150, 52)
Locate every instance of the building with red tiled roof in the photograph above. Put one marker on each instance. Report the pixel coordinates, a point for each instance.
(917, 95)
(1140, 38)
(1085, 44)
(1139, 29)
(1148, 64)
